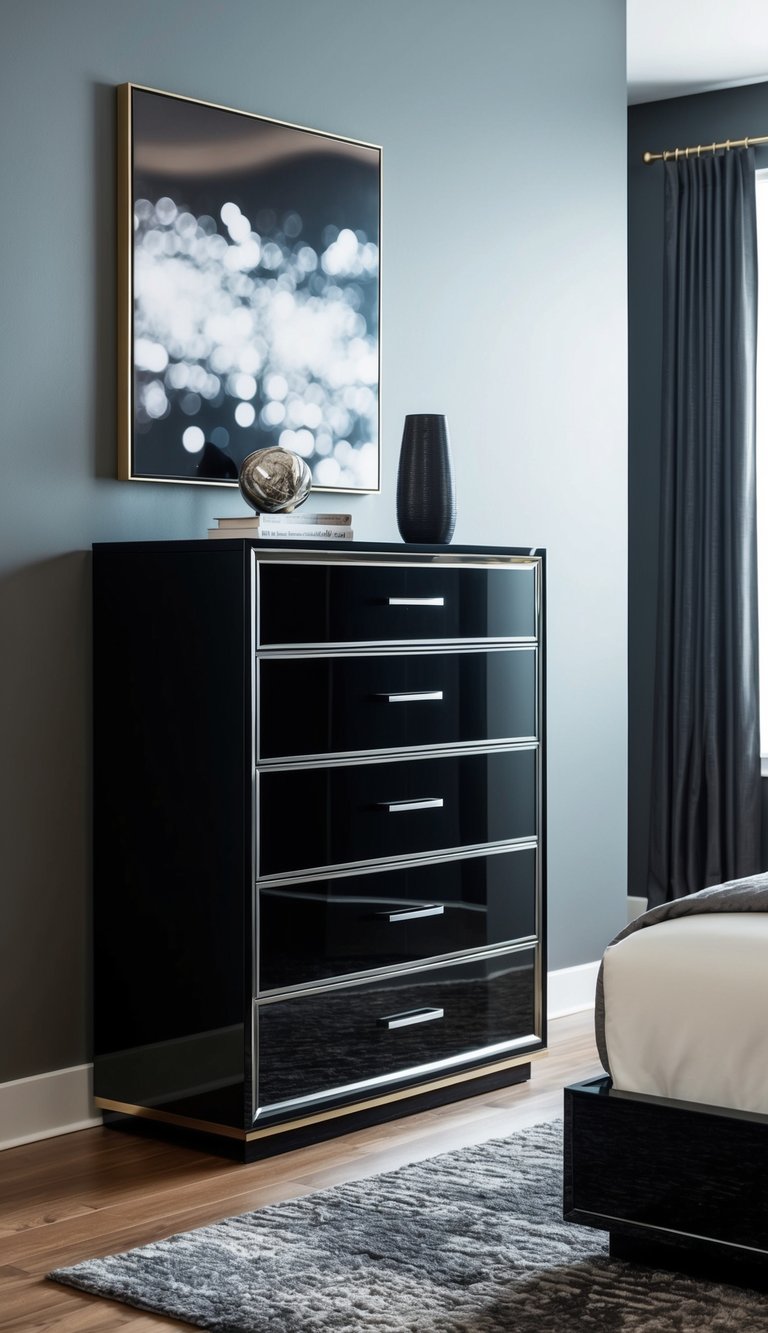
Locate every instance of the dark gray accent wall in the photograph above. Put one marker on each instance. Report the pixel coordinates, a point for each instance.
(675, 123)
(504, 305)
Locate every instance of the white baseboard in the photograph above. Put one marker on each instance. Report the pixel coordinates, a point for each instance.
(60, 1102)
(45, 1105)
(571, 989)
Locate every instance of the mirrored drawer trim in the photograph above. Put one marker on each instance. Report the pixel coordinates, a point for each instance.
(403, 751)
(395, 756)
(334, 980)
(519, 661)
(385, 862)
(462, 1058)
(512, 563)
(342, 979)
(400, 1076)
(373, 867)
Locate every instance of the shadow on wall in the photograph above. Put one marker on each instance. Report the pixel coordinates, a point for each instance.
(45, 722)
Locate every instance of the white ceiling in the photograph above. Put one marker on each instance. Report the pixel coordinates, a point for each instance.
(675, 47)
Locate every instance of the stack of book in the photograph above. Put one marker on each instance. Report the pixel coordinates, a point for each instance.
(315, 527)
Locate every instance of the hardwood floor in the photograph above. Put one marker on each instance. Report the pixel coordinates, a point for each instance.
(99, 1191)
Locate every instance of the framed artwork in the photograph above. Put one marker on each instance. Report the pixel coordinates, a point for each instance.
(249, 294)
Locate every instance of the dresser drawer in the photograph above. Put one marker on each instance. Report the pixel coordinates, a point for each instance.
(349, 813)
(395, 701)
(371, 1034)
(314, 603)
(317, 931)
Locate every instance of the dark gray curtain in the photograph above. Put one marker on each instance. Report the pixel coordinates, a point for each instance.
(705, 798)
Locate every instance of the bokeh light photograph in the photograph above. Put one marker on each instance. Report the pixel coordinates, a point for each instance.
(252, 275)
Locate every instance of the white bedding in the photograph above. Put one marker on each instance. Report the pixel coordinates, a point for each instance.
(686, 1010)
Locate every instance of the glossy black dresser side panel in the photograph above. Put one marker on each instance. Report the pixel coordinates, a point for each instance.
(351, 604)
(396, 701)
(316, 930)
(344, 815)
(170, 739)
(664, 1171)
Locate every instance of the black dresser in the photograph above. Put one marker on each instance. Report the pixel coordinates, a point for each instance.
(319, 833)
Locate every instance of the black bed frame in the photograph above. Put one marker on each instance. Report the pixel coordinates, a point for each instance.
(677, 1185)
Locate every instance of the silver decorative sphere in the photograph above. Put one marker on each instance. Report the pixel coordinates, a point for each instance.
(275, 481)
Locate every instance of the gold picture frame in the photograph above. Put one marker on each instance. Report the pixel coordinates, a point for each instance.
(248, 299)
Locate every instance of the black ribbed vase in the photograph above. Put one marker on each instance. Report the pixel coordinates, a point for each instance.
(426, 498)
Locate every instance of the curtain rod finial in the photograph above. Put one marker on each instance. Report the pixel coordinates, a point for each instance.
(647, 157)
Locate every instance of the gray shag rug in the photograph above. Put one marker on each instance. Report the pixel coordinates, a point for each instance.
(468, 1242)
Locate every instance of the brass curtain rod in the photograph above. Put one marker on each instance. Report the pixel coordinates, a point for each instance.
(677, 153)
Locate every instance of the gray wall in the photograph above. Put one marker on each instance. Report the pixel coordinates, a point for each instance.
(503, 127)
(674, 123)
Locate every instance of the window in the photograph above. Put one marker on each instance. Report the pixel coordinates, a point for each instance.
(761, 182)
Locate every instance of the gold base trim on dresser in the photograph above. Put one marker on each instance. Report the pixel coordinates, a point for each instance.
(248, 1135)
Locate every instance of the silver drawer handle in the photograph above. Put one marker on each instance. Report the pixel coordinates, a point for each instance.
(409, 1017)
(412, 696)
(411, 913)
(415, 601)
(427, 803)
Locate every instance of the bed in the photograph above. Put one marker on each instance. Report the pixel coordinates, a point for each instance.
(669, 1150)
